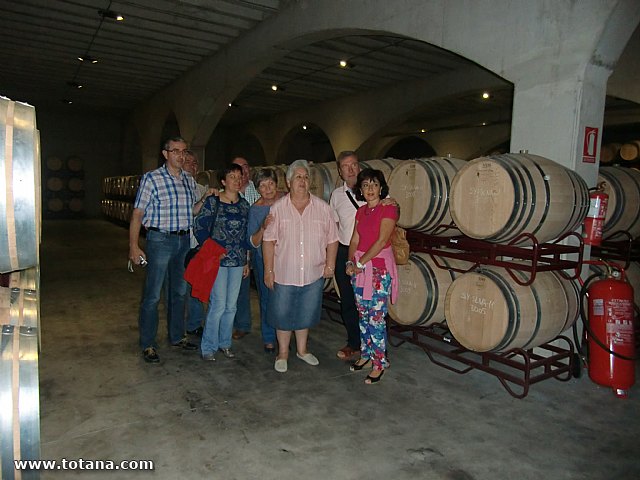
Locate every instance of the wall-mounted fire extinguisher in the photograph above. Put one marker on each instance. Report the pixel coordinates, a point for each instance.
(594, 221)
(610, 330)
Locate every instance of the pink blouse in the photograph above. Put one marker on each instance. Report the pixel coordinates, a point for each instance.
(301, 240)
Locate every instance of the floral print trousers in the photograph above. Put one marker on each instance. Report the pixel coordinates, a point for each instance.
(373, 331)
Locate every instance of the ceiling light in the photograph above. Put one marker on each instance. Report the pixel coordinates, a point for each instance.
(88, 59)
(67, 101)
(274, 88)
(484, 124)
(423, 130)
(304, 127)
(343, 64)
(74, 84)
(485, 95)
(111, 14)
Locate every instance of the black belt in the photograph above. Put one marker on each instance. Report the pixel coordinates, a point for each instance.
(177, 232)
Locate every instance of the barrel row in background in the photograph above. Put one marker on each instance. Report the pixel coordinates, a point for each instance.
(620, 152)
(121, 187)
(118, 210)
(495, 198)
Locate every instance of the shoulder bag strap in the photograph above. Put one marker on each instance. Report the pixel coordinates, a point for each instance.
(355, 204)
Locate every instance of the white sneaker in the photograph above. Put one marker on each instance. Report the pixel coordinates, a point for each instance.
(309, 358)
(281, 366)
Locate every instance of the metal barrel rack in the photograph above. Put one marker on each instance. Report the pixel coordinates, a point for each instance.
(537, 257)
(516, 369)
(618, 246)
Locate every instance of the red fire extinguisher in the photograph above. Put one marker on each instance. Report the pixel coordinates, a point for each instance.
(611, 333)
(594, 221)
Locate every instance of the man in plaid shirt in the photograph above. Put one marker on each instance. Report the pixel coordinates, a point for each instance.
(165, 206)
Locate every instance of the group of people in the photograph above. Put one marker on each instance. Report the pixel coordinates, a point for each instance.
(293, 241)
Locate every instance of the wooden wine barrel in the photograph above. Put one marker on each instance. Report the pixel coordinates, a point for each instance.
(55, 205)
(208, 178)
(76, 205)
(499, 197)
(19, 164)
(55, 184)
(421, 188)
(422, 288)
(385, 165)
(609, 152)
(630, 151)
(54, 163)
(75, 164)
(623, 209)
(489, 311)
(323, 180)
(75, 184)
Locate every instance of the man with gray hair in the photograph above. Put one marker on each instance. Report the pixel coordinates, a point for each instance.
(344, 206)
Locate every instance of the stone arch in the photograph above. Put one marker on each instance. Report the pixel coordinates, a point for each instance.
(408, 147)
(310, 143)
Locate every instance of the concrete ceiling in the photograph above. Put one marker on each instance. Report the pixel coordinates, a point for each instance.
(160, 40)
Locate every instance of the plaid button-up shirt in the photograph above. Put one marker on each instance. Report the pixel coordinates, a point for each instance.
(167, 201)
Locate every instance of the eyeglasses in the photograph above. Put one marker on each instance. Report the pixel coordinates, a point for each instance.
(177, 151)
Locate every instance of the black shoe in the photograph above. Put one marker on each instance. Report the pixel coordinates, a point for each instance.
(197, 332)
(359, 365)
(150, 355)
(185, 345)
(371, 380)
(269, 348)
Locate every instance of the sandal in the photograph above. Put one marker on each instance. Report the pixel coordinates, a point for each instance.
(371, 380)
(356, 366)
(347, 353)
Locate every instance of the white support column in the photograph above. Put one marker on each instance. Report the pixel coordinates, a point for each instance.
(552, 117)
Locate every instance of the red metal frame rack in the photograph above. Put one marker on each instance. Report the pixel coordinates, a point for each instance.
(618, 246)
(536, 257)
(515, 367)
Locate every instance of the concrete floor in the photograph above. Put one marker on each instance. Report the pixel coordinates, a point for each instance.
(239, 419)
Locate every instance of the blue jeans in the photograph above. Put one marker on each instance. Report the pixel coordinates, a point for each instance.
(242, 320)
(268, 332)
(223, 302)
(165, 254)
(195, 311)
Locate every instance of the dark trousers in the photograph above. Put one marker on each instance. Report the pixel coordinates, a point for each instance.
(348, 309)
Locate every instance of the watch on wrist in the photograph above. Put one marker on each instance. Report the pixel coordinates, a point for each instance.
(360, 266)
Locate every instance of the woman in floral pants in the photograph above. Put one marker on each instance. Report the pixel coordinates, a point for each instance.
(373, 270)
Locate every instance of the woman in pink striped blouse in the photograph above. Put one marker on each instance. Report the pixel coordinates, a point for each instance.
(299, 249)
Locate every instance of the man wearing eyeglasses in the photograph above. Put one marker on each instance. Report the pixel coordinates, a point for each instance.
(165, 205)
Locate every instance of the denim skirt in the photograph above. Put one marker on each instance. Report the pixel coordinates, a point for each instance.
(295, 308)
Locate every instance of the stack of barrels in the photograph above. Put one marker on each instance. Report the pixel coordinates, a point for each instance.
(619, 153)
(120, 193)
(20, 235)
(508, 198)
(64, 187)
